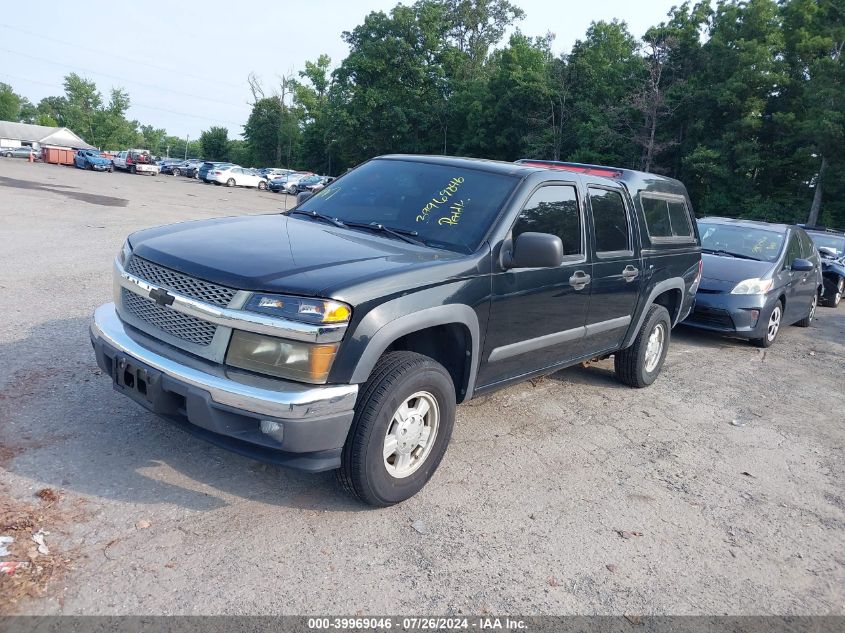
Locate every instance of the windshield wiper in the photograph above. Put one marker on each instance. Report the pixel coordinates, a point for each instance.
(402, 234)
(737, 255)
(318, 216)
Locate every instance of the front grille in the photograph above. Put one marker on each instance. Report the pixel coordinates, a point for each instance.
(712, 317)
(168, 320)
(179, 282)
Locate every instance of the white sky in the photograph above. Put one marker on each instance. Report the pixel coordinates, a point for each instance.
(185, 64)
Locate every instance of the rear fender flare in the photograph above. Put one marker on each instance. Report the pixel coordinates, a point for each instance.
(674, 283)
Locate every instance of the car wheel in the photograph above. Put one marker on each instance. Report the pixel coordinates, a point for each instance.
(402, 426)
(8, 154)
(835, 294)
(176, 172)
(772, 328)
(111, 168)
(640, 364)
(805, 322)
(230, 182)
(132, 169)
(262, 185)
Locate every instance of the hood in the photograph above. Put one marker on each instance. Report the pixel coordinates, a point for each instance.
(281, 254)
(99, 160)
(732, 269)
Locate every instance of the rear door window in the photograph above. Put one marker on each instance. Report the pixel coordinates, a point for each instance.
(553, 209)
(610, 221)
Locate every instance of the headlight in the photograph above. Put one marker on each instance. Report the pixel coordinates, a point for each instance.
(300, 309)
(305, 362)
(752, 287)
(125, 252)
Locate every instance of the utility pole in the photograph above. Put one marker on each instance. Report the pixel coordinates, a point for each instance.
(187, 140)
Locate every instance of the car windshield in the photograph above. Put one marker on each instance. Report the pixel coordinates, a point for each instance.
(742, 241)
(445, 206)
(828, 240)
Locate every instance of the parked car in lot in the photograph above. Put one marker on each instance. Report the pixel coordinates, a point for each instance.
(831, 245)
(286, 183)
(166, 165)
(188, 168)
(206, 167)
(343, 334)
(757, 277)
(308, 183)
(136, 161)
(18, 152)
(321, 185)
(273, 172)
(236, 176)
(92, 159)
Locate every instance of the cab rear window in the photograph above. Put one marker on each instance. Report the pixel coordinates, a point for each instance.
(666, 218)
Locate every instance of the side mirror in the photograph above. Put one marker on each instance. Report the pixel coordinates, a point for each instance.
(535, 250)
(302, 197)
(802, 265)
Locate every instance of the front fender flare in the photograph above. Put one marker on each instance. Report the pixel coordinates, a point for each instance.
(413, 322)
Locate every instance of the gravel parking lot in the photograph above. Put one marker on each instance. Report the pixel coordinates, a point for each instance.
(720, 489)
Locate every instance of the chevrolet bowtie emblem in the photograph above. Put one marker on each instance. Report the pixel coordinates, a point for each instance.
(161, 297)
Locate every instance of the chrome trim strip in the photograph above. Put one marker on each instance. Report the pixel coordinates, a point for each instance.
(235, 319)
(291, 400)
(606, 326)
(533, 344)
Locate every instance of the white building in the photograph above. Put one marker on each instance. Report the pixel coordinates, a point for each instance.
(27, 135)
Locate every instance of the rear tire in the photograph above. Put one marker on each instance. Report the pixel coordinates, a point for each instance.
(262, 185)
(835, 294)
(132, 169)
(639, 365)
(773, 328)
(402, 425)
(807, 320)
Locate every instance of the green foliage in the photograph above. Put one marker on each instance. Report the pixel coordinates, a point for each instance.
(739, 99)
(215, 143)
(10, 103)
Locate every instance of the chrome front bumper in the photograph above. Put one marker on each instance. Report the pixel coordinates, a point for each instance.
(267, 397)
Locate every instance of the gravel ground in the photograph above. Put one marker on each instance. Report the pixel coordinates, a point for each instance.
(726, 476)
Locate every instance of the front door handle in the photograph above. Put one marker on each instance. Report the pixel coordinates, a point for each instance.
(579, 279)
(630, 273)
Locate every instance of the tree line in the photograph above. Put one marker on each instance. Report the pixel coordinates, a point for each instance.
(741, 100)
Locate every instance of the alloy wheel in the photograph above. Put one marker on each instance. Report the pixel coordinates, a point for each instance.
(813, 307)
(411, 434)
(774, 324)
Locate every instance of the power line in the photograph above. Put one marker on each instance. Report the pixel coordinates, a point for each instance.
(132, 103)
(121, 57)
(121, 79)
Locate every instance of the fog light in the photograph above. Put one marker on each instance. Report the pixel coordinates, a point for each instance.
(273, 429)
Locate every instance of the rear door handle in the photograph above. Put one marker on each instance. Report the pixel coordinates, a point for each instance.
(630, 273)
(579, 279)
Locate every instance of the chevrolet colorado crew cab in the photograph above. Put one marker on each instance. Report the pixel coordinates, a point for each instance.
(342, 334)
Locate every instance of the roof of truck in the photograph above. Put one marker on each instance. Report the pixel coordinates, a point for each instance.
(635, 181)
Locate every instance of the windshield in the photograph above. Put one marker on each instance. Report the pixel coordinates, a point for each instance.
(447, 206)
(826, 240)
(743, 241)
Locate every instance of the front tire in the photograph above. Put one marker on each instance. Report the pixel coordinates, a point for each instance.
(835, 292)
(230, 182)
(640, 364)
(176, 172)
(772, 328)
(402, 425)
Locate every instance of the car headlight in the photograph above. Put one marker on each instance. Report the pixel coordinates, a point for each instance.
(125, 252)
(295, 360)
(752, 287)
(300, 308)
